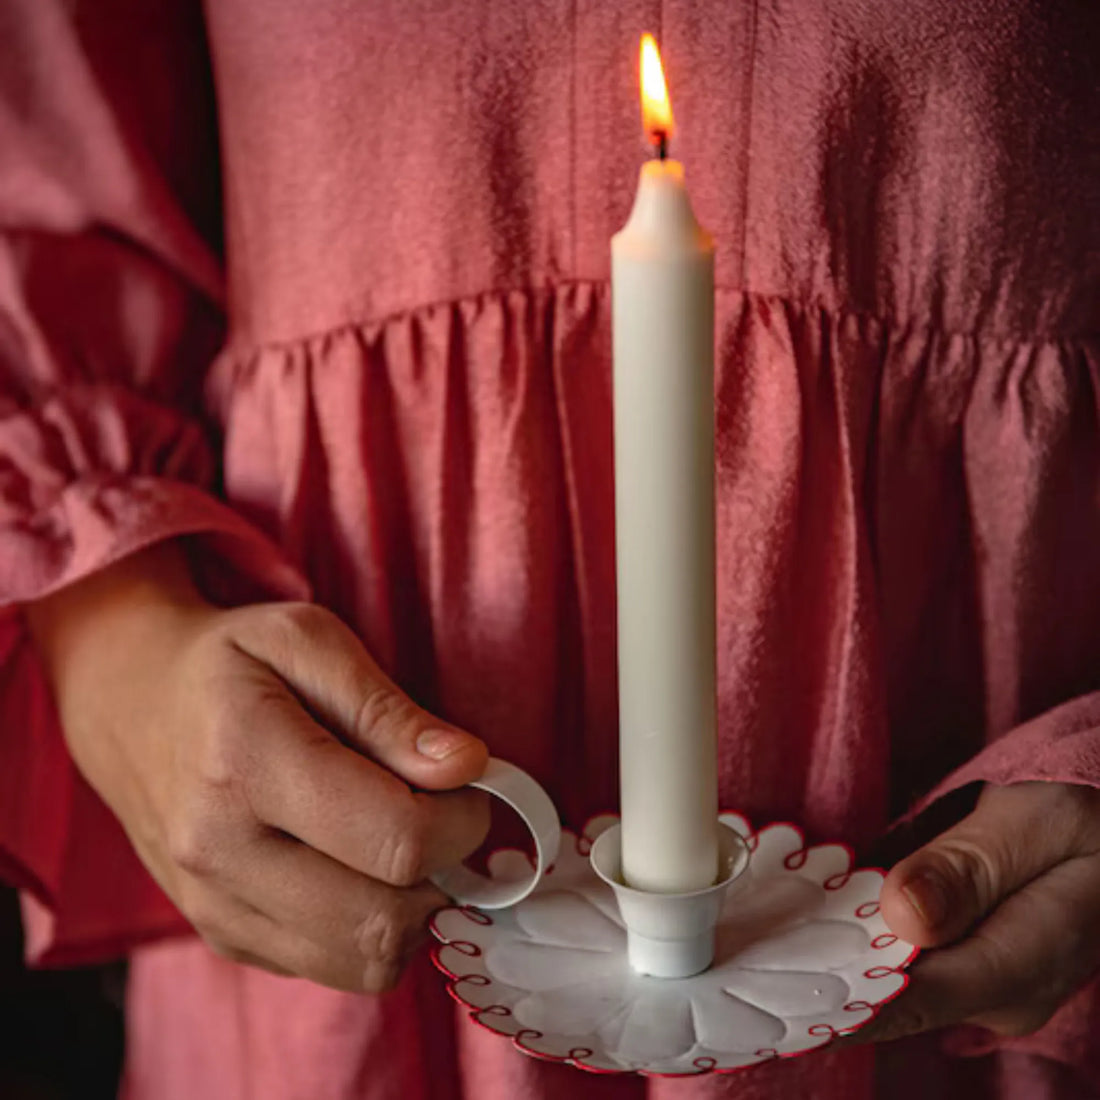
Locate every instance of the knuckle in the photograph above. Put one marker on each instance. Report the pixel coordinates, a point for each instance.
(402, 856)
(971, 864)
(381, 937)
(382, 709)
(193, 847)
(299, 622)
(896, 1021)
(913, 1019)
(217, 760)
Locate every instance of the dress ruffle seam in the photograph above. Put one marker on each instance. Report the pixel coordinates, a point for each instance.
(239, 355)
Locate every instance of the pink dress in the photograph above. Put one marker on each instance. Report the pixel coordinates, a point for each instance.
(388, 386)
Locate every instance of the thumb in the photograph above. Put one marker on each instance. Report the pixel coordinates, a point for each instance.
(1013, 835)
(332, 673)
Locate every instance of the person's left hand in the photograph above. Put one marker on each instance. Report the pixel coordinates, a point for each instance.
(1009, 898)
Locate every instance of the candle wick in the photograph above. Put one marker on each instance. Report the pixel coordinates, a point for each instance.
(662, 144)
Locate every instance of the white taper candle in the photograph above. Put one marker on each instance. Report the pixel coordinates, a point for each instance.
(662, 277)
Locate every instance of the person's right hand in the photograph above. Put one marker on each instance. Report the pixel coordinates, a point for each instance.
(284, 793)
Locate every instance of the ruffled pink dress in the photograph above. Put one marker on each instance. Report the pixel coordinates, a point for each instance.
(389, 387)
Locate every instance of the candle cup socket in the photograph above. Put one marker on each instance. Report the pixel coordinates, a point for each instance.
(670, 935)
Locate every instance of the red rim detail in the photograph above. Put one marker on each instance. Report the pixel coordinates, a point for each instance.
(705, 1065)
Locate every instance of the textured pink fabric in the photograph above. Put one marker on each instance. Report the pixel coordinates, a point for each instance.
(411, 408)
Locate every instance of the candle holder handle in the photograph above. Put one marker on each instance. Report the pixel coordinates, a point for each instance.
(515, 787)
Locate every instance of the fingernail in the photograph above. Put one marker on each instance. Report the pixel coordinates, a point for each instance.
(927, 893)
(439, 744)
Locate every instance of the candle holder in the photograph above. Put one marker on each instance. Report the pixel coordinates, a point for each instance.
(801, 955)
(670, 935)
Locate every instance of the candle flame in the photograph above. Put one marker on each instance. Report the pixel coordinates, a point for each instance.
(656, 109)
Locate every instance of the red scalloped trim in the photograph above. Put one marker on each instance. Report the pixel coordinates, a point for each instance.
(582, 846)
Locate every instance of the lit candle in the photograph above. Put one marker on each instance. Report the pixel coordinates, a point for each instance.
(662, 282)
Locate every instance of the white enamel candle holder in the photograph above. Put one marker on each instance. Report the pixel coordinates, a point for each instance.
(669, 935)
(800, 952)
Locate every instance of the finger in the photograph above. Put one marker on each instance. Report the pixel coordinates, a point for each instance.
(255, 940)
(326, 665)
(1014, 970)
(1013, 835)
(291, 910)
(247, 958)
(363, 925)
(310, 785)
(330, 904)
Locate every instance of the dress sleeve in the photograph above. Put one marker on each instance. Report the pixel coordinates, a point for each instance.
(1060, 746)
(110, 312)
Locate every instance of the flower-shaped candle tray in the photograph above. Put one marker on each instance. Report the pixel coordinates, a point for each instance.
(802, 956)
